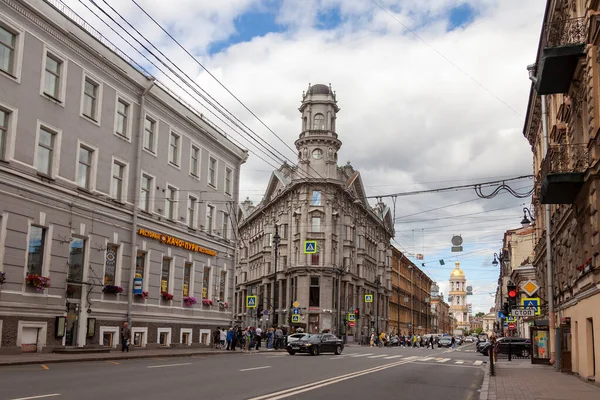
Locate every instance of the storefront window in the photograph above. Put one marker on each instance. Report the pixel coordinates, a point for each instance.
(187, 270)
(35, 257)
(164, 278)
(205, 282)
(140, 262)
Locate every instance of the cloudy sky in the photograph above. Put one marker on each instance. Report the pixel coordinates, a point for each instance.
(432, 93)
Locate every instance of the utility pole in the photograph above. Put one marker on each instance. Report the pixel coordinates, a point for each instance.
(276, 239)
(412, 301)
(378, 283)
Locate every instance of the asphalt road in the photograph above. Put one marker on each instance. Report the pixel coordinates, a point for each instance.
(359, 373)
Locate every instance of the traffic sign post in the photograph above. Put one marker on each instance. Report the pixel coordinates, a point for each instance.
(251, 301)
(296, 311)
(310, 247)
(351, 317)
(368, 298)
(527, 312)
(296, 319)
(532, 302)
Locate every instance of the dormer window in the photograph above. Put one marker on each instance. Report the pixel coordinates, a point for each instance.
(319, 122)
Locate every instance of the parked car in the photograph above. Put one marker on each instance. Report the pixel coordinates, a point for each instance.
(316, 344)
(469, 339)
(296, 336)
(520, 347)
(445, 341)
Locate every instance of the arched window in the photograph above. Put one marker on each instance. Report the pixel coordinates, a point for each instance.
(319, 122)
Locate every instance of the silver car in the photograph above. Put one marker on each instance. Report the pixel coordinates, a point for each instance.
(296, 336)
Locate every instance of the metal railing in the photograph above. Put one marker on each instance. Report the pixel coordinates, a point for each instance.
(565, 32)
(565, 158)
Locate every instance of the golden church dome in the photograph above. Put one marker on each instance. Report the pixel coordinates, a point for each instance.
(457, 271)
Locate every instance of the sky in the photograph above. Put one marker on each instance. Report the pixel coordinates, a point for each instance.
(433, 93)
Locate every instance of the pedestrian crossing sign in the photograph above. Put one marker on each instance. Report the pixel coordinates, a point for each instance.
(351, 317)
(251, 301)
(296, 319)
(310, 247)
(532, 302)
(368, 298)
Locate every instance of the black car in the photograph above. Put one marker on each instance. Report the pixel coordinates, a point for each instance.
(520, 347)
(317, 344)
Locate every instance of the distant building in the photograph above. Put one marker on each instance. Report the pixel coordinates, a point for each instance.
(457, 298)
(441, 312)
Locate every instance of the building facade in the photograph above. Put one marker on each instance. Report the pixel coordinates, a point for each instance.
(410, 304)
(332, 247)
(441, 311)
(109, 186)
(457, 298)
(562, 125)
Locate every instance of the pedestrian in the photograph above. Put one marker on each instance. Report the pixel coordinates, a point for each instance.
(216, 338)
(229, 339)
(278, 338)
(270, 337)
(222, 338)
(125, 337)
(430, 342)
(258, 336)
(372, 339)
(453, 342)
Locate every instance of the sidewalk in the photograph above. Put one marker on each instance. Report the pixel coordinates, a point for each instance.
(47, 358)
(520, 379)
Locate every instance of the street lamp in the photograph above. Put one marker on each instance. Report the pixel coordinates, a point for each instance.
(378, 283)
(276, 239)
(495, 262)
(525, 222)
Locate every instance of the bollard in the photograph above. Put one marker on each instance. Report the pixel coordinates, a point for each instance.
(491, 352)
(509, 350)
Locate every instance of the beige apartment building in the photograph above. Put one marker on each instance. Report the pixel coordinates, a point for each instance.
(562, 126)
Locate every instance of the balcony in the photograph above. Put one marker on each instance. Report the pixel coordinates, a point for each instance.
(562, 45)
(563, 171)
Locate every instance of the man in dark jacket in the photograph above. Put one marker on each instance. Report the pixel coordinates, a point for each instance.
(125, 337)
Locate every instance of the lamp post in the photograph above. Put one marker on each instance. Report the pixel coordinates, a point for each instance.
(378, 283)
(525, 222)
(276, 239)
(500, 260)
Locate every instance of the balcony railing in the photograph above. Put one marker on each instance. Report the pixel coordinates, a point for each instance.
(318, 132)
(565, 32)
(565, 158)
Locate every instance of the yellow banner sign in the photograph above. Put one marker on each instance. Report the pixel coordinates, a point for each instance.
(172, 241)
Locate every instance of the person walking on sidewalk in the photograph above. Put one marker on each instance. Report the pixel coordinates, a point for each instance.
(229, 339)
(258, 337)
(453, 342)
(125, 337)
(430, 342)
(222, 338)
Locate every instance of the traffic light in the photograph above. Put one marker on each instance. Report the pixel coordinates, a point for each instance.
(356, 313)
(512, 295)
(259, 311)
(506, 310)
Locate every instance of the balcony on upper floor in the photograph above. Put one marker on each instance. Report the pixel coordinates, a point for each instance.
(562, 45)
(563, 171)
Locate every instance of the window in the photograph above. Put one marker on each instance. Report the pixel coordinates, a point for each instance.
(315, 224)
(147, 184)
(194, 161)
(185, 338)
(283, 231)
(192, 205)
(314, 298)
(107, 339)
(163, 339)
(222, 286)
(4, 117)
(314, 259)
(118, 176)
(212, 171)
(210, 211)
(76, 265)
(90, 99)
(8, 41)
(84, 167)
(122, 128)
(224, 224)
(52, 76)
(45, 154)
(138, 339)
(228, 176)
(149, 134)
(110, 266)
(140, 264)
(205, 282)
(174, 149)
(319, 122)
(35, 254)
(171, 201)
(316, 198)
(165, 275)
(187, 272)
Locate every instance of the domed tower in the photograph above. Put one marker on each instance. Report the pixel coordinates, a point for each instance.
(318, 144)
(458, 297)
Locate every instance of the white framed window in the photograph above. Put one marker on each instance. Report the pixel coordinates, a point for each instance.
(315, 224)
(146, 201)
(6, 121)
(212, 171)
(164, 337)
(195, 161)
(171, 197)
(86, 166)
(174, 148)
(316, 198)
(210, 215)
(150, 134)
(224, 225)
(192, 211)
(91, 98)
(228, 180)
(319, 122)
(119, 180)
(123, 118)
(54, 67)
(112, 265)
(185, 336)
(47, 153)
(11, 46)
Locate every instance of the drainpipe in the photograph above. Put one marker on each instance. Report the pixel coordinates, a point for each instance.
(136, 180)
(549, 275)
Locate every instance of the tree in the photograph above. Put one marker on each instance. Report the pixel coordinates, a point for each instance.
(479, 314)
(478, 330)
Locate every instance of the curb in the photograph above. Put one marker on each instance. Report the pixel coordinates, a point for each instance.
(485, 385)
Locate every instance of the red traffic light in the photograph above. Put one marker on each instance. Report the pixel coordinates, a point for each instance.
(512, 293)
(356, 311)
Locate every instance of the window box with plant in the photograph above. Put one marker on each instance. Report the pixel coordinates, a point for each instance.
(223, 305)
(189, 301)
(112, 289)
(38, 282)
(144, 295)
(2, 277)
(208, 302)
(166, 296)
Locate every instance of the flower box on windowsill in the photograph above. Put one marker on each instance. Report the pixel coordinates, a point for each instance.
(111, 289)
(144, 295)
(38, 282)
(223, 305)
(207, 302)
(166, 296)
(189, 301)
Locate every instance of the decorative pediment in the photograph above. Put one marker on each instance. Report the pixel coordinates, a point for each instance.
(355, 186)
(277, 184)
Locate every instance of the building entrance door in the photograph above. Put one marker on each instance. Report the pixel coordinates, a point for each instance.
(72, 322)
(565, 345)
(540, 335)
(313, 323)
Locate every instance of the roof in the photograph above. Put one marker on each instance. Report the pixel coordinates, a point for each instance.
(319, 88)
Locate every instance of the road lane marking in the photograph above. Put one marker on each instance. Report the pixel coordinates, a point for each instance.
(112, 362)
(319, 384)
(167, 365)
(411, 357)
(282, 355)
(426, 358)
(459, 362)
(44, 366)
(362, 355)
(378, 356)
(392, 357)
(478, 362)
(443, 360)
(38, 397)
(255, 368)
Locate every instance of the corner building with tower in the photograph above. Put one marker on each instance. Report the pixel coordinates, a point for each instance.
(315, 205)
(458, 298)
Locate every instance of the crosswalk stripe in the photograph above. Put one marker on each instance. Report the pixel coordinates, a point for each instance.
(378, 356)
(411, 357)
(362, 355)
(392, 357)
(459, 362)
(478, 362)
(350, 354)
(443, 360)
(426, 359)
